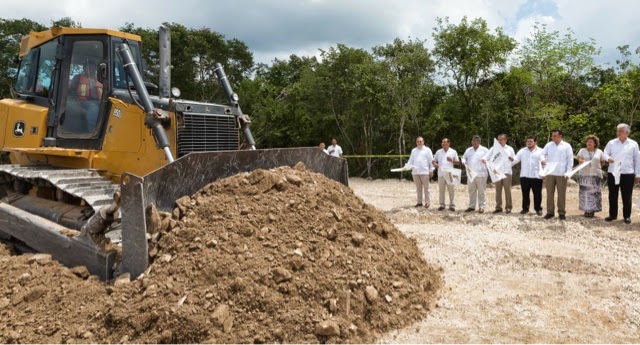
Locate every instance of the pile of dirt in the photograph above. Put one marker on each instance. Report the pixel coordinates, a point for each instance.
(283, 255)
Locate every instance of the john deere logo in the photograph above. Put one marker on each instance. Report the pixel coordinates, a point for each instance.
(18, 129)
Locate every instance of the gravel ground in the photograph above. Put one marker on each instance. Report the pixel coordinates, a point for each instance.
(514, 278)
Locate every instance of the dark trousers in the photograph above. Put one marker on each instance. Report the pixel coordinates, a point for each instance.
(626, 189)
(534, 185)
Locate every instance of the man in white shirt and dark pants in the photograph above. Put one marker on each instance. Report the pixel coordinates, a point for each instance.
(421, 159)
(506, 169)
(443, 160)
(335, 149)
(530, 157)
(558, 151)
(622, 150)
(472, 158)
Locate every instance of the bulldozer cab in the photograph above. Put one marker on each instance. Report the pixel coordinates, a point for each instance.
(73, 75)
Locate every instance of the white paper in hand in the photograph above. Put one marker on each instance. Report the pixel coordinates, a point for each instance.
(576, 169)
(617, 170)
(548, 169)
(471, 175)
(495, 174)
(404, 168)
(453, 176)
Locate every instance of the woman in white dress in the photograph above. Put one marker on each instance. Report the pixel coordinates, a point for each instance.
(590, 177)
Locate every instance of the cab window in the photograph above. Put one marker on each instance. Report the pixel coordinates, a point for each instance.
(46, 68)
(26, 73)
(84, 94)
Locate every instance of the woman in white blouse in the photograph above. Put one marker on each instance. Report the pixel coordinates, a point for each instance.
(590, 177)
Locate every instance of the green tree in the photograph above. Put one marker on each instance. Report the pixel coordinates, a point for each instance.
(409, 81)
(11, 32)
(618, 100)
(561, 80)
(468, 54)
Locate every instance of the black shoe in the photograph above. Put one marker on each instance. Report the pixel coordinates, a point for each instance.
(418, 205)
(548, 216)
(453, 209)
(539, 212)
(609, 219)
(524, 211)
(562, 217)
(440, 208)
(498, 210)
(627, 220)
(470, 209)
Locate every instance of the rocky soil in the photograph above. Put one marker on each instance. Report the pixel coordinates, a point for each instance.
(283, 255)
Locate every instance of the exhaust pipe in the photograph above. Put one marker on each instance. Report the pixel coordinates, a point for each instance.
(233, 100)
(165, 62)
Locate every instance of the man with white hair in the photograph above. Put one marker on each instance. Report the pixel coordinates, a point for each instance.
(624, 168)
(472, 158)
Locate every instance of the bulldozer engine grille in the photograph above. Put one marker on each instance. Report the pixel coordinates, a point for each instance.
(207, 132)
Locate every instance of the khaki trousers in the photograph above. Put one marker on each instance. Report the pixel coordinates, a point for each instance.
(442, 184)
(552, 183)
(422, 186)
(477, 191)
(506, 184)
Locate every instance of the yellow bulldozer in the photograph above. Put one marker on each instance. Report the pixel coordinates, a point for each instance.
(91, 151)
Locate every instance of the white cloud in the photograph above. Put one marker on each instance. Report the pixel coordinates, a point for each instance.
(284, 27)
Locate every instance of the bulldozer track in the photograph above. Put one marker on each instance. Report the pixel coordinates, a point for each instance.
(85, 184)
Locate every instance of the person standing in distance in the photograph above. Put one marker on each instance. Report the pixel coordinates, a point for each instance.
(444, 159)
(530, 157)
(322, 147)
(421, 159)
(590, 177)
(559, 151)
(335, 149)
(472, 158)
(506, 169)
(624, 149)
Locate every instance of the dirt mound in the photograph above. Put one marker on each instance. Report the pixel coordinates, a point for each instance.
(284, 255)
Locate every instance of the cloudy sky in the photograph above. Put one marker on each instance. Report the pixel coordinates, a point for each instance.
(279, 28)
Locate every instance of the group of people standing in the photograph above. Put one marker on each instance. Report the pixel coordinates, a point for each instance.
(550, 166)
(333, 150)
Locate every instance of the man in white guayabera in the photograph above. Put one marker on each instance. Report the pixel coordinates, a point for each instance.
(422, 169)
(444, 161)
(624, 168)
(505, 167)
(530, 180)
(476, 175)
(560, 152)
(335, 149)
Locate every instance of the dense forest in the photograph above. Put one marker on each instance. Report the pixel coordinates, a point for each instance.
(474, 80)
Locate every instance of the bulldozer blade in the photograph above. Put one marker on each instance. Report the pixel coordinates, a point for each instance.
(189, 174)
(48, 237)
